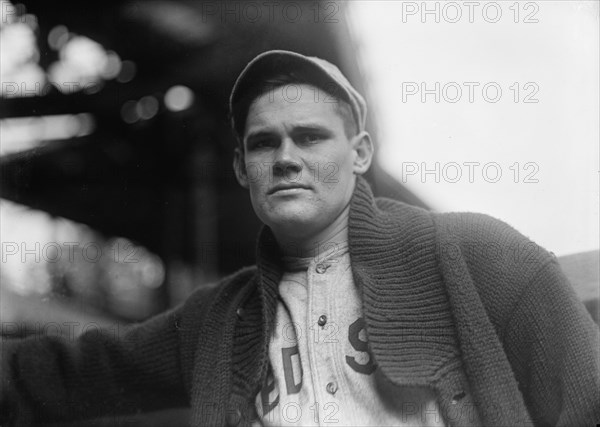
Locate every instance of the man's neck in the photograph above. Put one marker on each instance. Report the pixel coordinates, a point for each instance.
(326, 240)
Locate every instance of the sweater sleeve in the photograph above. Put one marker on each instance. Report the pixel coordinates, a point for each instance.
(553, 345)
(98, 374)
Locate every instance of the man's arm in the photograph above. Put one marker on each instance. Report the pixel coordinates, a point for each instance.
(47, 378)
(553, 345)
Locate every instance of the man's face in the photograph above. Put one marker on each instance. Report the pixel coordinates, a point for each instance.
(299, 162)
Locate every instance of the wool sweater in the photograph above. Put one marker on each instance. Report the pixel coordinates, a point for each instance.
(459, 302)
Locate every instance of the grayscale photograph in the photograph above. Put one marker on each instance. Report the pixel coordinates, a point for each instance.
(299, 213)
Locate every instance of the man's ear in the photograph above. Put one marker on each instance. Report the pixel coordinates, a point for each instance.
(239, 167)
(363, 148)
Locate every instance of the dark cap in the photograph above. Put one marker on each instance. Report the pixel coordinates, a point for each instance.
(315, 70)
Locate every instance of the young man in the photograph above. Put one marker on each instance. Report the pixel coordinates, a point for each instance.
(359, 311)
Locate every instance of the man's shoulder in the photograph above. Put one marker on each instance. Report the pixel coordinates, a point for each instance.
(484, 236)
(501, 261)
(474, 225)
(479, 238)
(461, 226)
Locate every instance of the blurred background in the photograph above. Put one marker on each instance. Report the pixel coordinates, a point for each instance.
(118, 196)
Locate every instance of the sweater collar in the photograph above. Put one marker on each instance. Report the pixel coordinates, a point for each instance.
(393, 260)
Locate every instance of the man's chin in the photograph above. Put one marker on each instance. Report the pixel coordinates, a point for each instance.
(291, 224)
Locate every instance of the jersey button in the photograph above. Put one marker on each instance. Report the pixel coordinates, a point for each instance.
(331, 387)
(322, 320)
(233, 417)
(322, 268)
(458, 397)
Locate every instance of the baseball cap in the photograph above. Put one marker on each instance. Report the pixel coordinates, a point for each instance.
(314, 70)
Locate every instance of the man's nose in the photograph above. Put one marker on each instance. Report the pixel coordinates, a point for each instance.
(286, 162)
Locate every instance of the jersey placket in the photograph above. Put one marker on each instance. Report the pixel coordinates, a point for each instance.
(320, 276)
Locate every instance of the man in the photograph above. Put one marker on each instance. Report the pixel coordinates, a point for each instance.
(359, 311)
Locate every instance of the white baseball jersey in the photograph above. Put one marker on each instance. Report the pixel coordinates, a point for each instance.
(321, 371)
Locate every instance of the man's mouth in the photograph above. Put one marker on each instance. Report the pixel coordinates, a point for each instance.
(287, 186)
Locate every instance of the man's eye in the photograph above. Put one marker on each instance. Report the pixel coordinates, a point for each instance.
(310, 138)
(261, 143)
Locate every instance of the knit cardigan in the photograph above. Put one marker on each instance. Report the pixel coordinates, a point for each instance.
(459, 302)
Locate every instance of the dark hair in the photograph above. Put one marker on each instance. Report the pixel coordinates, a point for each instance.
(240, 109)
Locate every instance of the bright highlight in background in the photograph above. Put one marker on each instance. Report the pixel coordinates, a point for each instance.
(493, 109)
(179, 98)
